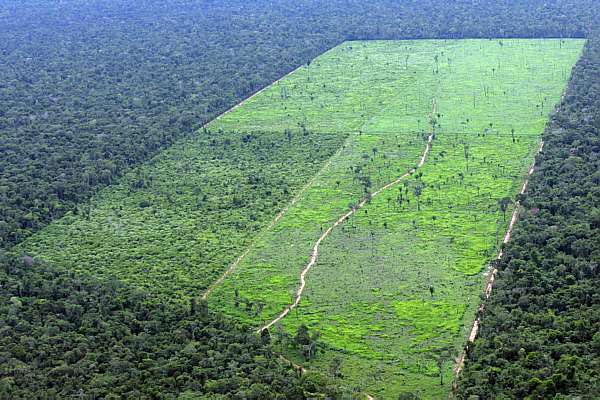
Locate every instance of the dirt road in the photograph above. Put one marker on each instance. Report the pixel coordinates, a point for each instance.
(280, 215)
(492, 277)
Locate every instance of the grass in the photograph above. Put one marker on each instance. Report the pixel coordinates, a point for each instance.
(395, 287)
(369, 294)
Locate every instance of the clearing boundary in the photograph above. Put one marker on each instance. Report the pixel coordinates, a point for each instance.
(490, 282)
(281, 213)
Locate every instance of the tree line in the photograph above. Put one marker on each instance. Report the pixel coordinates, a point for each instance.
(89, 90)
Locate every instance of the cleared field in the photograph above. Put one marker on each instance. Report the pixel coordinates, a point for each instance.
(174, 225)
(395, 287)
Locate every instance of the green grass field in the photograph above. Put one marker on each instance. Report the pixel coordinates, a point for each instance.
(369, 294)
(395, 288)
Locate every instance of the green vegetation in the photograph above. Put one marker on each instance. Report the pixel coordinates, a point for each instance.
(174, 224)
(92, 91)
(66, 335)
(395, 288)
(375, 103)
(539, 335)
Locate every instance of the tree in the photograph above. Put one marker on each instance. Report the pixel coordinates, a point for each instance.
(335, 367)
(193, 306)
(302, 336)
(259, 307)
(203, 308)
(309, 351)
(281, 336)
(466, 153)
(417, 191)
(442, 356)
(504, 203)
(265, 337)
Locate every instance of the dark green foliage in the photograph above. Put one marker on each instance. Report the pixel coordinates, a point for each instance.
(302, 336)
(408, 396)
(539, 337)
(70, 336)
(88, 89)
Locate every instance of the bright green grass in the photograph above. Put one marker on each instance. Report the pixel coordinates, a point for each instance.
(342, 90)
(174, 225)
(379, 145)
(369, 292)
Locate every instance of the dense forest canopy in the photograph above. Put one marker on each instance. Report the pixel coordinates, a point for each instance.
(65, 336)
(90, 89)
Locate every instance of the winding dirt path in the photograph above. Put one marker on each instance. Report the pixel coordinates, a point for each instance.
(238, 260)
(315, 250)
(492, 277)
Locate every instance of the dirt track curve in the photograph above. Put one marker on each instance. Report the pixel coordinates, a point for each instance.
(281, 213)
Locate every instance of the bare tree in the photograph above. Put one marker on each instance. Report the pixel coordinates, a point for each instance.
(417, 191)
(504, 202)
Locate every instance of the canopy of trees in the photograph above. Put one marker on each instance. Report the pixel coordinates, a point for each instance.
(89, 89)
(540, 336)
